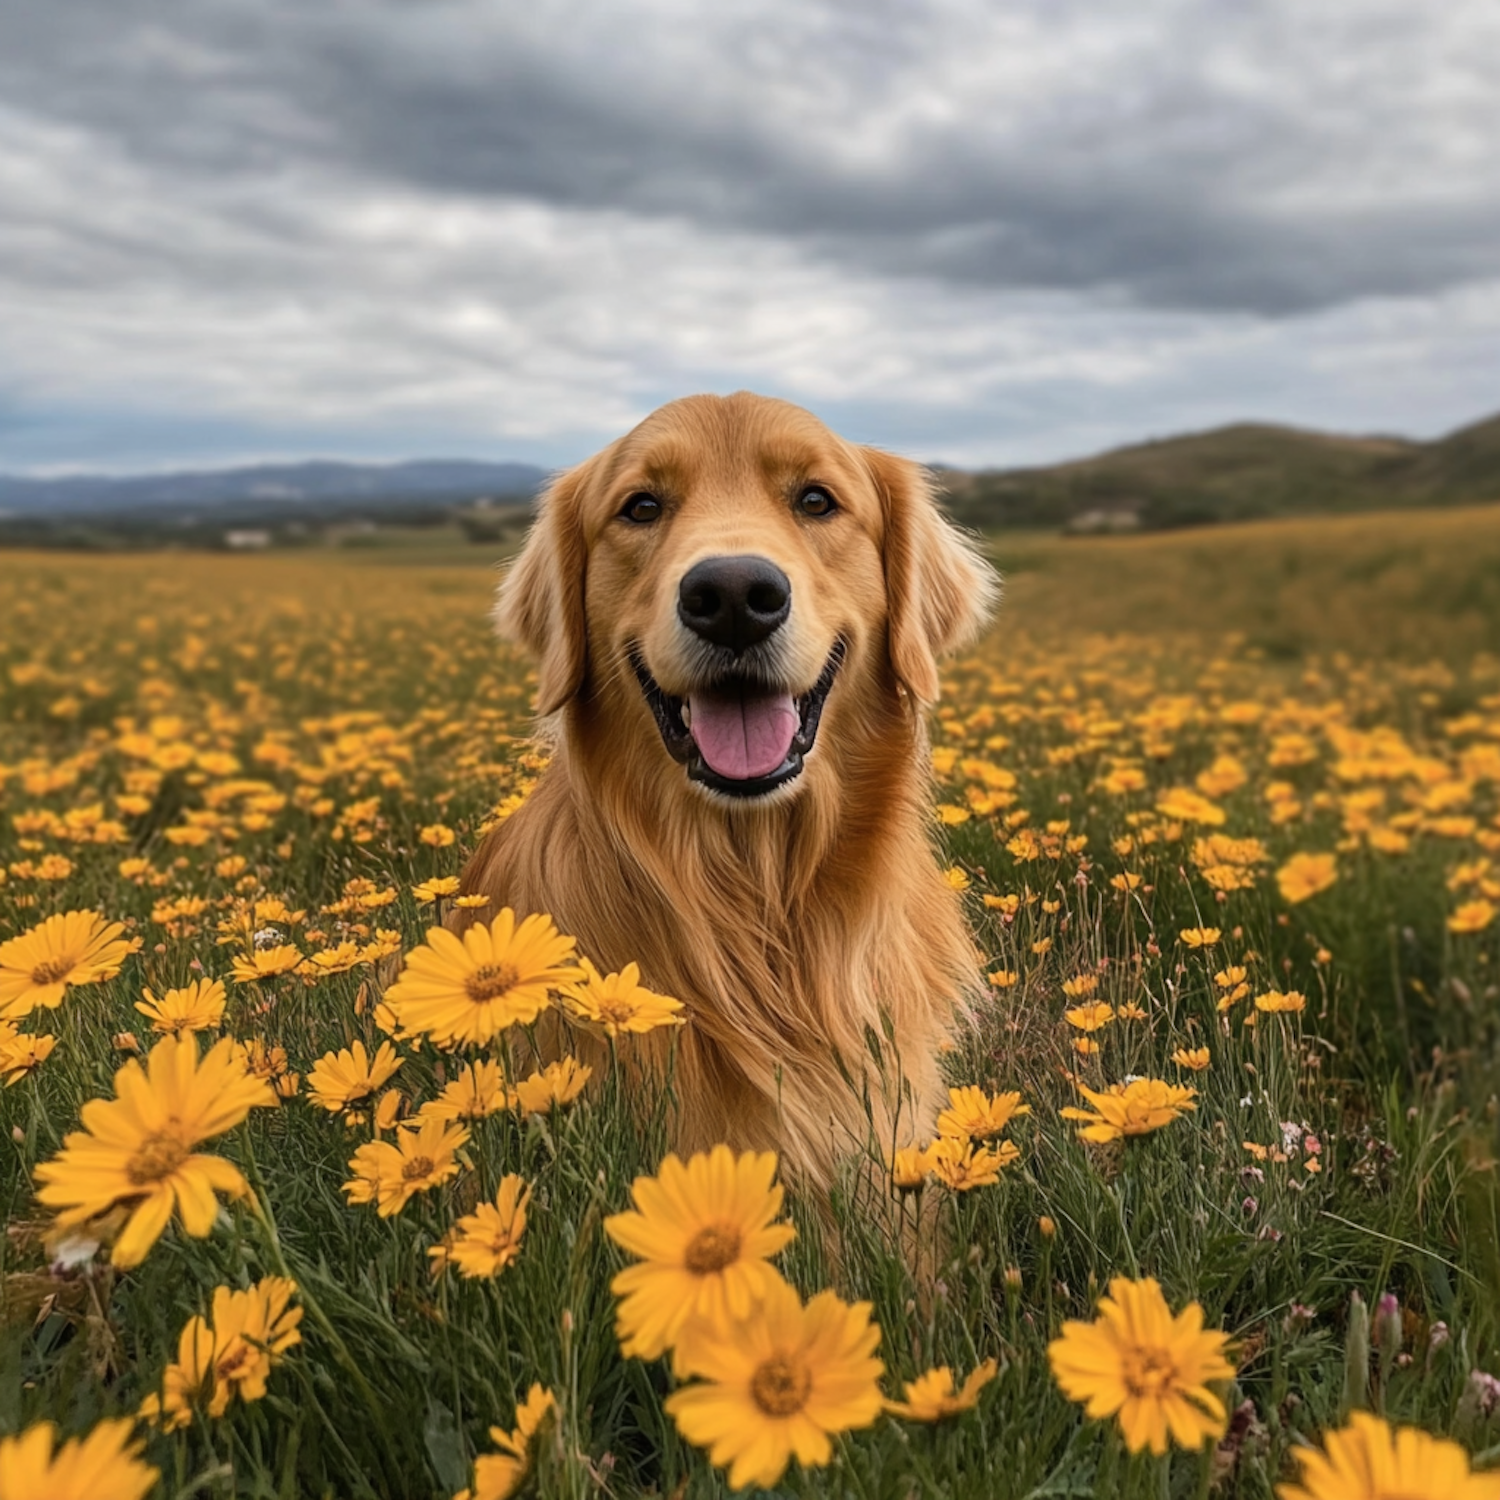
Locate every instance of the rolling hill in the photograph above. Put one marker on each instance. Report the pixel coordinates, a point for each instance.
(1237, 473)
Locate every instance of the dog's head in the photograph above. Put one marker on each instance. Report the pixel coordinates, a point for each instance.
(728, 567)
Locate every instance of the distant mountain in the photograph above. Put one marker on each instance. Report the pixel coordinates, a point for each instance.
(1234, 473)
(277, 489)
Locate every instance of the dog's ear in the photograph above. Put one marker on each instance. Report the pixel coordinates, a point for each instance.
(939, 591)
(540, 605)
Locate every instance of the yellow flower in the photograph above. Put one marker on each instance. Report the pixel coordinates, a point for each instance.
(931, 1397)
(1003, 979)
(20, 1054)
(487, 1240)
(557, 1084)
(1084, 984)
(105, 1465)
(778, 1384)
(429, 890)
(1277, 1001)
(704, 1236)
(1200, 937)
(1090, 1017)
(910, 1169)
(387, 1175)
(1130, 1109)
(1228, 978)
(471, 903)
(956, 879)
(339, 1078)
(71, 948)
(196, 1007)
(619, 1002)
(467, 990)
(961, 1165)
(437, 835)
(1152, 1370)
(1183, 805)
(137, 1149)
(1130, 1011)
(1195, 1058)
(1371, 1460)
(1472, 916)
(1007, 905)
(265, 963)
(347, 955)
(228, 1354)
(497, 1476)
(476, 1092)
(1304, 875)
(971, 1112)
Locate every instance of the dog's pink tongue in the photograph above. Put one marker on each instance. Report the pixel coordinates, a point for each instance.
(745, 734)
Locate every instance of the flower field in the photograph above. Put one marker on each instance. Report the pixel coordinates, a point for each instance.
(1213, 1208)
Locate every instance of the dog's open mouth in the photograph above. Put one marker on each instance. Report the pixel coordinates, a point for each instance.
(738, 736)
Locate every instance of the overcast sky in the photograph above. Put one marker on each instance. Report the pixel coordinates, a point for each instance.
(980, 231)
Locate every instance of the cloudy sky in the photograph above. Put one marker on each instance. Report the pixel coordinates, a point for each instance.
(980, 231)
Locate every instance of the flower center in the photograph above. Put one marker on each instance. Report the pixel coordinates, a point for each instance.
(616, 1012)
(157, 1157)
(712, 1249)
(1148, 1372)
(52, 970)
(490, 981)
(417, 1167)
(780, 1387)
(232, 1365)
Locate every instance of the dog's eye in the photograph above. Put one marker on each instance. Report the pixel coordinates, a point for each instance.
(815, 502)
(641, 509)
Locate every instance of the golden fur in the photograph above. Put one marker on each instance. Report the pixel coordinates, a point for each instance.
(801, 927)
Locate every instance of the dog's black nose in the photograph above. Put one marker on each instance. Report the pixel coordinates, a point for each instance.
(734, 601)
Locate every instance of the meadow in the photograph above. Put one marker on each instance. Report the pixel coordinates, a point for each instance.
(1225, 810)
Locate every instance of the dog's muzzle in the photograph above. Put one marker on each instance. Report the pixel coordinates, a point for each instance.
(737, 736)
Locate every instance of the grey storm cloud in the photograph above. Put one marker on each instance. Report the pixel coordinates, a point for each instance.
(1266, 157)
(985, 230)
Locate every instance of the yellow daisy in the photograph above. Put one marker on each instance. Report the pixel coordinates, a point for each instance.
(911, 1166)
(387, 1175)
(973, 1113)
(137, 1149)
(489, 1239)
(497, 1476)
(1136, 1361)
(72, 948)
(931, 1397)
(704, 1235)
(106, 1463)
(1305, 875)
(476, 1092)
(467, 990)
(1194, 1058)
(618, 1002)
(1131, 1109)
(339, 1078)
(557, 1084)
(430, 890)
(228, 1354)
(266, 963)
(961, 1164)
(1200, 937)
(21, 1054)
(1278, 1002)
(1371, 1460)
(776, 1385)
(198, 1006)
(1090, 1017)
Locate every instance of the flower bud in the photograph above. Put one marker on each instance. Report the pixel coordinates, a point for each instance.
(1357, 1355)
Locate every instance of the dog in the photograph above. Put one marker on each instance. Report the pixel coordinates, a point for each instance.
(737, 618)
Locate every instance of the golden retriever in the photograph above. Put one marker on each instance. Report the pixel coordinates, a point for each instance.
(737, 617)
